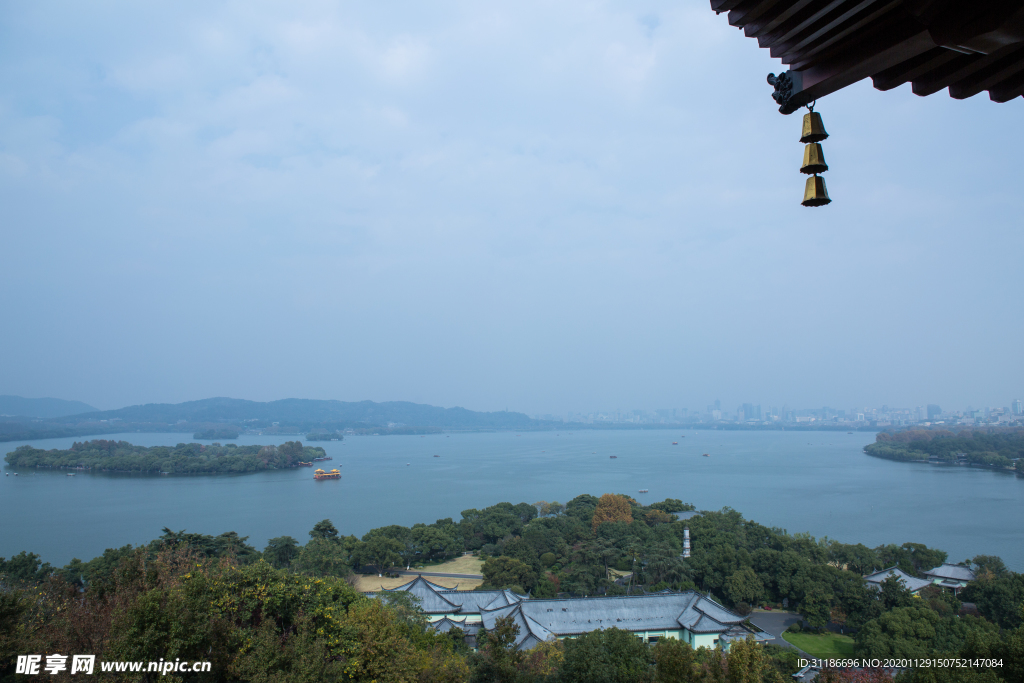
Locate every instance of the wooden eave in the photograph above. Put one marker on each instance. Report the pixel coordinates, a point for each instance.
(965, 47)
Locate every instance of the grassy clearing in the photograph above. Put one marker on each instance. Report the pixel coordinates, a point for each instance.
(464, 564)
(824, 646)
(366, 584)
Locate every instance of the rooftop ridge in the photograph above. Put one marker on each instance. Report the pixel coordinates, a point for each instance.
(611, 597)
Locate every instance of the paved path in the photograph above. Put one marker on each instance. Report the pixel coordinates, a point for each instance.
(775, 623)
(441, 574)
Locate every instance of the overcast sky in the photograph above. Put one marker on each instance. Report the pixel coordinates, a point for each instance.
(545, 206)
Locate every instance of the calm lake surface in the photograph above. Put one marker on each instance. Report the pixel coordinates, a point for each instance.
(818, 482)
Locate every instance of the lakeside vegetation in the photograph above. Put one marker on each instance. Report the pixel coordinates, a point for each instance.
(185, 458)
(216, 433)
(324, 436)
(289, 612)
(1002, 450)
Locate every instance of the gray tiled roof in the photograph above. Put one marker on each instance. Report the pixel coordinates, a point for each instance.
(447, 624)
(432, 600)
(541, 620)
(503, 599)
(654, 612)
(531, 631)
(910, 582)
(957, 572)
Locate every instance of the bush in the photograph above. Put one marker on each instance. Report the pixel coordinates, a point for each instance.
(795, 627)
(548, 559)
(742, 608)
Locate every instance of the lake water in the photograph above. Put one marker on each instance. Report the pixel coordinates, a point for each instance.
(819, 482)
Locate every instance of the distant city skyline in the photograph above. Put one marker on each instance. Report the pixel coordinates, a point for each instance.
(755, 413)
(750, 413)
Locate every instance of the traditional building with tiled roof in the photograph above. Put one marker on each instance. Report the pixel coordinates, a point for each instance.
(689, 616)
(911, 583)
(955, 576)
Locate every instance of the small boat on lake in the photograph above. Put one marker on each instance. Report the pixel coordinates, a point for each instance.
(675, 443)
(613, 456)
(71, 474)
(644, 491)
(706, 455)
(437, 456)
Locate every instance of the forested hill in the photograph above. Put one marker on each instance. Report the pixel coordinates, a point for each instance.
(41, 407)
(998, 449)
(300, 411)
(287, 416)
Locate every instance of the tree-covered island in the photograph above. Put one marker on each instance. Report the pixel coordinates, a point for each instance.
(999, 450)
(185, 458)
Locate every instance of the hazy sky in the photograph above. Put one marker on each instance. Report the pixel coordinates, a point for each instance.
(545, 206)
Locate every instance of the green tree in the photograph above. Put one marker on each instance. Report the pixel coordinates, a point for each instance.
(381, 552)
(508, 572)
(281, 551)
(324, 529)
(380, 652)
(674, 662)
(322, 557)
(672, 505)
(901, 632)
(743, 585)
(816, 607)
(894, 594)
(499, 661)
(607, 656)
(24, 568)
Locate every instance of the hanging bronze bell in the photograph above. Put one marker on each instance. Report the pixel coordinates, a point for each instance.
(814, 129)
(814, 159)
(815, 193)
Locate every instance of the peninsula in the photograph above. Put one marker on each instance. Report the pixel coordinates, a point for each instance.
(996, 449)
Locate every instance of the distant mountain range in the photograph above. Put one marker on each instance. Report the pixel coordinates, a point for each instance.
(18, 406)
(287, 416)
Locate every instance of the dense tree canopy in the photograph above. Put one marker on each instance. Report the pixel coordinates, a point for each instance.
(288, 613)
(185, 458)
(988, 448)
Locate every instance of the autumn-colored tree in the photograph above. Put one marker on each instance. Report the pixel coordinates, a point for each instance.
(747, 662)
(674, 662)
(543, 660)
(380, 651)
(441, 664)
(612, 508)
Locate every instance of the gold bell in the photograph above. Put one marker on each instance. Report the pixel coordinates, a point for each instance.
(815, 193)
(814, 159)
(814, 129)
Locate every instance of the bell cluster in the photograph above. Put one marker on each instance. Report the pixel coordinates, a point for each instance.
(815, 193)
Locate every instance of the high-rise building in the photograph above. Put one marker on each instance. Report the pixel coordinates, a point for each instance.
(1018, 407)
(751, 412)
(933, 411)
